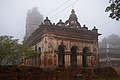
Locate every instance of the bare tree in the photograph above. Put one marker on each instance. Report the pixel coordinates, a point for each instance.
(112, 39)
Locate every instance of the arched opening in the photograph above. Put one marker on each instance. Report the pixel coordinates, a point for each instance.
(84, 56)
(39, 49)
(61, 59)
(39, 56)
(34, 59)
(73, 56)
(35, 47)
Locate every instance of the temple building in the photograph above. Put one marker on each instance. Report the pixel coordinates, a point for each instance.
(64, 44)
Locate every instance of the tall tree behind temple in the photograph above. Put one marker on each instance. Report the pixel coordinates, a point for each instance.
(113, 40)
(33, 20)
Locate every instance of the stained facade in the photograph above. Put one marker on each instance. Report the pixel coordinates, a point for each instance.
(64, 44)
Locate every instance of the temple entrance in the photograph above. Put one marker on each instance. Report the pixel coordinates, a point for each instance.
(84, 56)
(73, 56)
(61, 59)
(39, 56)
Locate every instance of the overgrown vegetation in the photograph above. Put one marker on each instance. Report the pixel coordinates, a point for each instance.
(70, 73)
(13, 53)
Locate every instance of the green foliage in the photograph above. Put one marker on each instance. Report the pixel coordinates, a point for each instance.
(12, 53)
(114, 9)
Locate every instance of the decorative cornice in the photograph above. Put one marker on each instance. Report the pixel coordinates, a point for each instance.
(60, 31)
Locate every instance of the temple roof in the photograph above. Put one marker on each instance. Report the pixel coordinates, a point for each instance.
(73, 15)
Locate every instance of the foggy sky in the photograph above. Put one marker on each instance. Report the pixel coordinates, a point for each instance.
(89, 12)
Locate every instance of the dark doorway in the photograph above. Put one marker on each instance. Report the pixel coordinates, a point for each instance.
(73, 56)
(84, 56)
(35, 57)
(39, 56)
(61, 59)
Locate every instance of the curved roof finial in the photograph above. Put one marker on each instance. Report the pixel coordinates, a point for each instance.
(72, 11)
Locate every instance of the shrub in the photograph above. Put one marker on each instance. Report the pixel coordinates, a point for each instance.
(106, 72)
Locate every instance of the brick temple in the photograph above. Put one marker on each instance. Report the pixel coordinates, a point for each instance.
(64, 44)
